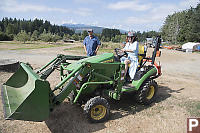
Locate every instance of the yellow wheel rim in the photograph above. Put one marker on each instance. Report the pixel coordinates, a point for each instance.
(151, 92)
(98, 112)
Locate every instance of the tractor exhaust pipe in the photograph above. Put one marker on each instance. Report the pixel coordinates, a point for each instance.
(156, 49)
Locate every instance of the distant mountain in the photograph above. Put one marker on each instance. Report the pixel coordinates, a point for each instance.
(81, 27)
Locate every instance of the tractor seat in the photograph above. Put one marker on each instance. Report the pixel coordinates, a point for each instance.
(141, 54)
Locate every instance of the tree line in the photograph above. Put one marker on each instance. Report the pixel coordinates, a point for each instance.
(9, 28)
(34, 30)
(182, 26)
(114, 35)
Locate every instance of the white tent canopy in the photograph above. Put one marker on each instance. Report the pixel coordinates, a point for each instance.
(189, 45)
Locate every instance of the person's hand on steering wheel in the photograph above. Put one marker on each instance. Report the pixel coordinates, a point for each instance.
(123, 50)
(120, 52)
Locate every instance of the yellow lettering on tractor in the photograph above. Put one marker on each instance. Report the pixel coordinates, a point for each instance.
(108, 61)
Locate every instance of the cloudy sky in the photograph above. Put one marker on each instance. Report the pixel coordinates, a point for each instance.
(138, 15)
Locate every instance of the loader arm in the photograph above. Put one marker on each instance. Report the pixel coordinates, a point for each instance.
(46, 70)
(96, 77)
(27, 94)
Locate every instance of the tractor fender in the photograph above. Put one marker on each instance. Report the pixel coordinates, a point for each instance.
(138, 82)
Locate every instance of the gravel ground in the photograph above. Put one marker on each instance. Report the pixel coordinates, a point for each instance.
(178, 90)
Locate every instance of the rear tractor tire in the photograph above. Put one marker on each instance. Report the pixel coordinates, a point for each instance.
(97, 109)
(147, 92)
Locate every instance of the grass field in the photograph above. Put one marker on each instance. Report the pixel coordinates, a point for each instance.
(80, 50)
(14, 45)
(106, 47)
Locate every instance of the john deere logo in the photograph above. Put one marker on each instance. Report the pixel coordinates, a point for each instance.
(108, 61)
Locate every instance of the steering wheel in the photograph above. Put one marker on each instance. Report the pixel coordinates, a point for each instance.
(120, 53)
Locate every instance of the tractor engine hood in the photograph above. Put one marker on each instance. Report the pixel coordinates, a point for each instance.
(103, 58)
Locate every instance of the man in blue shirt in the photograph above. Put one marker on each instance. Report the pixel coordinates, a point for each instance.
(91, 44)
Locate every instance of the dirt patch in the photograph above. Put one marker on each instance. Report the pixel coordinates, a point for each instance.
(178, 99)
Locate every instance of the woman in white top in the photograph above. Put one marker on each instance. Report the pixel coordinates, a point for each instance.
(131, 48)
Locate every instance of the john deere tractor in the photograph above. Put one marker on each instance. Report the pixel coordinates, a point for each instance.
(88, 81)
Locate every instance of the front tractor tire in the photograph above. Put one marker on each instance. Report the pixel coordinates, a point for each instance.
(97, 109)
(147, 92)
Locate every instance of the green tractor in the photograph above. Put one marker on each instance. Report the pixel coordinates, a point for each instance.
(89, 81)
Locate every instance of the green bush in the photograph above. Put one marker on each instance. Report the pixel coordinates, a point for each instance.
(6, 37)
(22, 36)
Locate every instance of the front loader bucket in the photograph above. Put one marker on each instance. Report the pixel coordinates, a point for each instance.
(26, 96)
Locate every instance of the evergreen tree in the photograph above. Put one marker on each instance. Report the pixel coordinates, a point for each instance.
(22, 37)
(10, 29)
(66, 37)
(34, 36)
(103, 39)
(84, 34)
(182, 26)
(110, 33)
(117, 38)
(13, 26)
(56, 37)
(123, 38)
(75, 37)
(46, 37)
